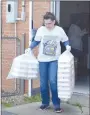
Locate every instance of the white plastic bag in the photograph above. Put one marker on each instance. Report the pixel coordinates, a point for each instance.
(24, 66)
(65, 76)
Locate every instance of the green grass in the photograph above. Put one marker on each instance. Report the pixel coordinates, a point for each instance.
(7, 104)
(79, 106)
(25, 100)
(31, 99)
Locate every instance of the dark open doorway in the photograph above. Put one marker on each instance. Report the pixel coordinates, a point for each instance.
(72, 12)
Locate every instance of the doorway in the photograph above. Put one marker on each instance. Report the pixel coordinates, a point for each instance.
(70, 13)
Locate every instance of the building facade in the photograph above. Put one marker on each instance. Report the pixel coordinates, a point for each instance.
(29, 14)
(16, 30)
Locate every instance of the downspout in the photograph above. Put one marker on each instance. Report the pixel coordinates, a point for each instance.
(15, 35)
(23, 11)
(30, 37)
(22, 16)
(0, 45)
(55, 8)
(52, 7)
(15, 27)
(58, 11)
(21, 19)
(23, 37)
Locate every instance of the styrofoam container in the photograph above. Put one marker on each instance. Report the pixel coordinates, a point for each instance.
(65, 76)
(24, 66)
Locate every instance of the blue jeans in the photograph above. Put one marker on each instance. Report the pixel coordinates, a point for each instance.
(48, 74)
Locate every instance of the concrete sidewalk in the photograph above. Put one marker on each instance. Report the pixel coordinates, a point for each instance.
(33, 109)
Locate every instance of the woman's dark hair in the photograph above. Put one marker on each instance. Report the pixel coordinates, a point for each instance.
(51, 16)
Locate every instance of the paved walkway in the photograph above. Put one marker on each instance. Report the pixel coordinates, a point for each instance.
(33, 109)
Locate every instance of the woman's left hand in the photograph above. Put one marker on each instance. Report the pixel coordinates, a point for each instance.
(68, 48)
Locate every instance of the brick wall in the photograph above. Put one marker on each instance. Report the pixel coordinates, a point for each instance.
(39, 8)
(8, 53)
(21, 27)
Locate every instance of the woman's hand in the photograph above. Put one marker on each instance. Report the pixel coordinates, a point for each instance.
(28, 50)
(68, 48)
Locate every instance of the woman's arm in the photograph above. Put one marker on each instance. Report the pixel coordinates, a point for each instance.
(68, 47)
(66, 43)
(34, 44)
(37, 38)
(65, 40)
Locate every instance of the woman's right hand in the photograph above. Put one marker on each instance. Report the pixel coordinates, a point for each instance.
(28, 50)
(84, 31)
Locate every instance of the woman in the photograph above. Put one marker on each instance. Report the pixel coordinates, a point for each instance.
(48, 38)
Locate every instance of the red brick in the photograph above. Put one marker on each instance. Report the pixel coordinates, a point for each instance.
(39, 8)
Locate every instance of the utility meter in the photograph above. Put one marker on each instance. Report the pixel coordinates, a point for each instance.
(11, 11)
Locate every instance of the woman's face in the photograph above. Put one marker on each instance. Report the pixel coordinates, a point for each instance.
(49, 24)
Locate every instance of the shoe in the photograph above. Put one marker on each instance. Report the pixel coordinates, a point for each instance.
(58, 110)
(43, 107)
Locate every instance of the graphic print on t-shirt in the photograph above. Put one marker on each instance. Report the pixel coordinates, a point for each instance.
(49, 45)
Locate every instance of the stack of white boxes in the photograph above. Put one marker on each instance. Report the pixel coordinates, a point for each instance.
(24, 66)
(65, 78)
